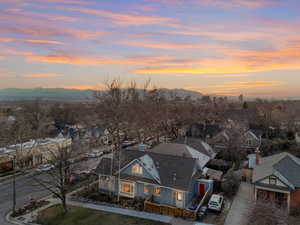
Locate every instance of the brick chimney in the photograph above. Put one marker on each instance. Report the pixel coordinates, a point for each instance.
(257, 156)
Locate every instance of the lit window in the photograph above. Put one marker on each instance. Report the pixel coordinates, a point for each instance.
(127, 188)
(146, 190)
(137, 169)
(157, 191)
(179, 196)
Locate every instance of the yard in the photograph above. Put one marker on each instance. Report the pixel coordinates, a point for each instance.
(83, 216)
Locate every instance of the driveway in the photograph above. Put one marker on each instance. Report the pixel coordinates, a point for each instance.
(241, 205)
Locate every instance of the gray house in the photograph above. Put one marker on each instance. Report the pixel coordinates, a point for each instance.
(250, 141)
(169, 180)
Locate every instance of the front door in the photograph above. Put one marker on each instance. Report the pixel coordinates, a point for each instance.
(201, 190)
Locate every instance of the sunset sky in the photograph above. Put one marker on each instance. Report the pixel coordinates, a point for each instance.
(224, 47)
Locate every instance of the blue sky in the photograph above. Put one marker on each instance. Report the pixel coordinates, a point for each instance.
(213, 46)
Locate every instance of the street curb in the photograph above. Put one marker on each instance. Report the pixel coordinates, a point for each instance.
(11, 220)
(10, 177)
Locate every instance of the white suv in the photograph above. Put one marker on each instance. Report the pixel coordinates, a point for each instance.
(215, 203)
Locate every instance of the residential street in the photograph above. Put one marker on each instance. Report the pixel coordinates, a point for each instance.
(25, 189)
(240, 206)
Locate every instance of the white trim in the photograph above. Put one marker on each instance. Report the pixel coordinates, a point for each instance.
(270, 189)
(125, 194)
(141, 164)
(157, 185)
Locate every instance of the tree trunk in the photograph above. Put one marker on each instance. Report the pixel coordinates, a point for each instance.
(64, 204)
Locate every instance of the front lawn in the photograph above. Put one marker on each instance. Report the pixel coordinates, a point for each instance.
(84, 216)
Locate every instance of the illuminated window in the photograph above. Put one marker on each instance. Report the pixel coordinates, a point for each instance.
(146, 190)
(179, 196)
(137, 169)
(127, 188)
(157, 191)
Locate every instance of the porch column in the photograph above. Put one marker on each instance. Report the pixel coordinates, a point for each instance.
(255, 194)
(289, 201)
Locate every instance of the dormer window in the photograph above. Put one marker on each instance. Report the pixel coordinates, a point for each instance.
(137, 169)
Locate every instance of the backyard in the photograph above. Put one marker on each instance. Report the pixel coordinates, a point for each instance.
(83, 216)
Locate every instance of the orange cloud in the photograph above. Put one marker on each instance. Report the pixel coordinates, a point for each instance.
(125, 19)
(40, 75)
(234, 88)
(2, 57)
(45, 42)
(197, 70)
(80, 87)
(15, 52)
(141, 60)
(7, 39)
(167, 45)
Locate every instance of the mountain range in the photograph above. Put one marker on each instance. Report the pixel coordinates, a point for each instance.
(62, 94)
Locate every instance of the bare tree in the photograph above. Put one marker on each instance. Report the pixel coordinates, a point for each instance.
(268, 214)
(56, 180)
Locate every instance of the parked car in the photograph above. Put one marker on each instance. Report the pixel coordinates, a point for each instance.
(94, 154)
(45, 167)
(216, 202)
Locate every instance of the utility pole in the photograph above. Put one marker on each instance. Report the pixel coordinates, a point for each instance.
(14, 185)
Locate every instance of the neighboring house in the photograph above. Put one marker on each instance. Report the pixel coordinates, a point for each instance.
(250, 141)
(277, 179)
(197, 144)
(34, 152)
(182, 150)
(169, 180)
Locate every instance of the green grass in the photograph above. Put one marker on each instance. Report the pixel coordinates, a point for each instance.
(82, 216)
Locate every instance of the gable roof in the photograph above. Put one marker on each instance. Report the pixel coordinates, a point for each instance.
(168, 167)
(283, 165)
(181, 150)
(198, 145)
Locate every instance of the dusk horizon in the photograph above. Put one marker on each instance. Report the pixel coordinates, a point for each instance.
(216, 47)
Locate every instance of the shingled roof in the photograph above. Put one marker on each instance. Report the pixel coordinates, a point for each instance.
(168, 167)
(284, 165)
(197, 144)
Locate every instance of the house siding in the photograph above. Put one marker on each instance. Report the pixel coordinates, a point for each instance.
(278, 182)
(295, 198)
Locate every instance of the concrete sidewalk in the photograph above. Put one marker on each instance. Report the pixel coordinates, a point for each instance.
(126, 212)
(241, 205)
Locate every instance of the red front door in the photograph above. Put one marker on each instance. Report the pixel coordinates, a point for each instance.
(201, 189)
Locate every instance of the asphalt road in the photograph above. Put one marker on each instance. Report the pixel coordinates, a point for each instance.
(26, 188)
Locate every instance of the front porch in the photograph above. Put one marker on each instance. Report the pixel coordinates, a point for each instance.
(280, 198)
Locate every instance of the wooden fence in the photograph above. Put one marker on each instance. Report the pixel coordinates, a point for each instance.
(169, 210)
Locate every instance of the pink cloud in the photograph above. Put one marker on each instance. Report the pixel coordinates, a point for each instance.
(45, 42)
(125, 18)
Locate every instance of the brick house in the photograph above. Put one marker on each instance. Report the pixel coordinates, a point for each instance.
(277, 179)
